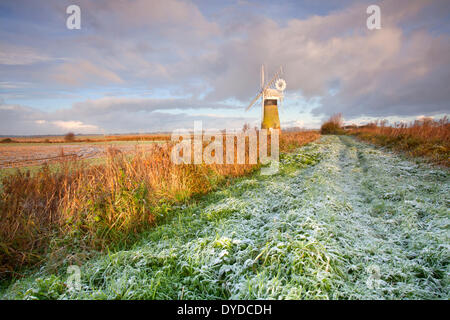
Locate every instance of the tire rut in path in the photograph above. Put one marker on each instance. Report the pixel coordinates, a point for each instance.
(399, 229)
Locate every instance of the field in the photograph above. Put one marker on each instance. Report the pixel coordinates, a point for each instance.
(341, 220)
(29, 154)
(26, 152)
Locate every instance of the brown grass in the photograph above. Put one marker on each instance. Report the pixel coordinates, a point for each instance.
(424, 138)
(82, 208)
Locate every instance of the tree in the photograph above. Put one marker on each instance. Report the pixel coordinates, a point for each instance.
(69, 137)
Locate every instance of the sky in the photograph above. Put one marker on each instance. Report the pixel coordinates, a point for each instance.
(139, 66)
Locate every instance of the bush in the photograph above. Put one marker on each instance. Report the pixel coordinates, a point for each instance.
(69, 137)
(333, 125)
(7, 140)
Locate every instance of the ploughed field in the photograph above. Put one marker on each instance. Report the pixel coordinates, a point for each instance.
(341, 220)
(16, 155)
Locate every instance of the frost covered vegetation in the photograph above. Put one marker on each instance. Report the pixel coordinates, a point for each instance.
(342, 220)
(76, 209)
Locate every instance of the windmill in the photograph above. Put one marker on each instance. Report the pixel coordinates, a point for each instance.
(272, 95)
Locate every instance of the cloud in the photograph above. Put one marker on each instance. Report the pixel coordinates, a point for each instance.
(16, 118)
(294, 123)
(335, 57)
(110, 115)
(169, 18)
(83, 72)
(74, 125)
(20, 55)
(209, 54)
(7, 85)
(112, 104)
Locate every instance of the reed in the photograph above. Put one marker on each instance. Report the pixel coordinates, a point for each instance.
(81, 207)
(422, 138)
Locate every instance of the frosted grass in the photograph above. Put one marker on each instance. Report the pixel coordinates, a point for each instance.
(342, 220)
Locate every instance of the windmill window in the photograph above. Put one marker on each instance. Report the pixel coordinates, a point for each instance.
(270, 102)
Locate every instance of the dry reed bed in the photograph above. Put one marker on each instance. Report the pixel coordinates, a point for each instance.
(83, 208)
(424, 138)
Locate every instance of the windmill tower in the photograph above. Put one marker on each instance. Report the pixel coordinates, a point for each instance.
(271, 94)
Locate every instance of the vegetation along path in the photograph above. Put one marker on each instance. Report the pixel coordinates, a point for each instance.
(341, 220)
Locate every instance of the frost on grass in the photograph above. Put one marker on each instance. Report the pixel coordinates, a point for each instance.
(342, 220)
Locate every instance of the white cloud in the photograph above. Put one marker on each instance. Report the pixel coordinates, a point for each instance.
(75, 125)
(293, 123)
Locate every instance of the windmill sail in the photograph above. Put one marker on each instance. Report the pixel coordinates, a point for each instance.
(254, 100)
(264, 87)
(262, 76)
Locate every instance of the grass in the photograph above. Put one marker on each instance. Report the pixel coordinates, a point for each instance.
(422, 138)
(53, 166)
(8, 171)
(341, 220)
(66, 215)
